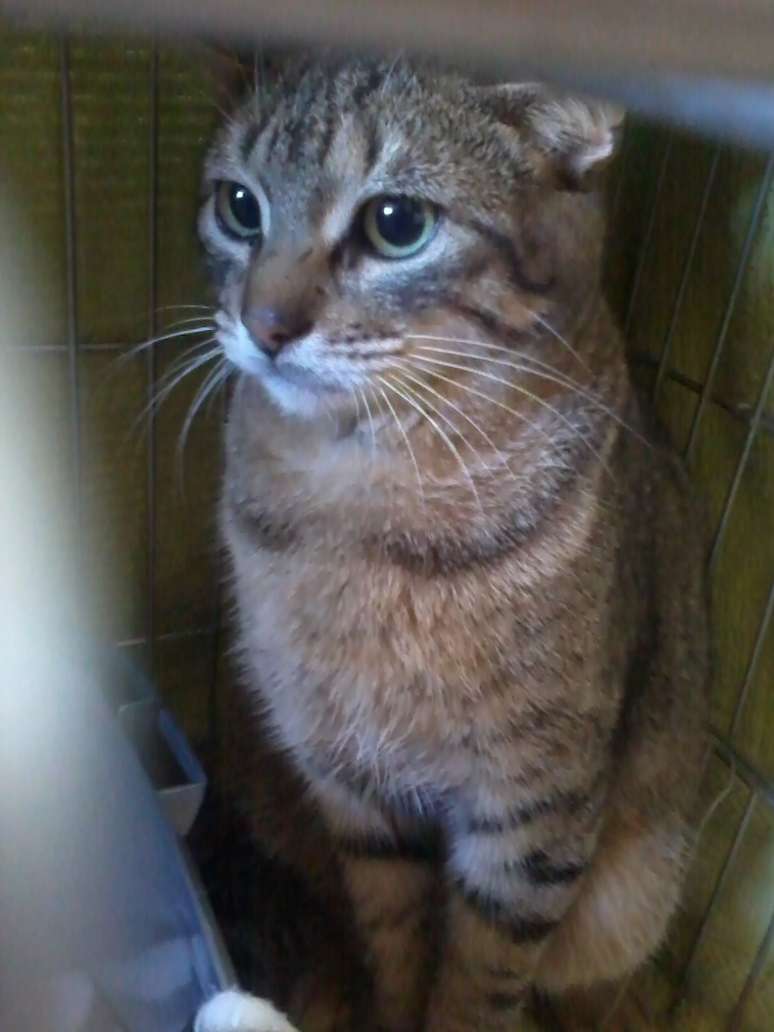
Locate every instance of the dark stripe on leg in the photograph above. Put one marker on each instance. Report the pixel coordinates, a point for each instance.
(375, 847)
(504, 1001)
(519, 928)
(541, 871)
(515, 817)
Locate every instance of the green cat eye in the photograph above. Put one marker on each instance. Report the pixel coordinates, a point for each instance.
(238, 211)
(398, 227)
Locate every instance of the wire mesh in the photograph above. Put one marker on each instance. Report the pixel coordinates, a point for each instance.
(762, 196)
(756, 422)
(666, 349)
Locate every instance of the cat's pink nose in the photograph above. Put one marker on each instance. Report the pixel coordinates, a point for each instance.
(272, 328)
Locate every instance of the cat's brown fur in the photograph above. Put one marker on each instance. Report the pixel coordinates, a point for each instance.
(471, 612)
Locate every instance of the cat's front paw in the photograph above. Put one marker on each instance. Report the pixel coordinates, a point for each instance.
(232, 1011)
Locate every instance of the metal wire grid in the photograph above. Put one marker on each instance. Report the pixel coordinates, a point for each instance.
(757, 421)
(150, 640)
(73, 345)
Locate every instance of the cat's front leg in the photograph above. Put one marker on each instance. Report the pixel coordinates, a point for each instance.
(514, 870)
(233, 1011)
(389, 878)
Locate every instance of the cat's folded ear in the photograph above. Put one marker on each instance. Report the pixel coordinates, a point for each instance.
(237, 74)
(565, 139)
(231, 72)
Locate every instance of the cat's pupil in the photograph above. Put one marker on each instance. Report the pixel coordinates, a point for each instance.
(400, 220)
(244, 208)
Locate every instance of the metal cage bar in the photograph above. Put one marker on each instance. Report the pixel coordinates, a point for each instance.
(743, 769)
(741, 413)
(752, 666)
(717, 892)
(648, 235)
(756, 970)
(71, 263)
(666, 349)
(150, 354)
(741, 465)
(744, 259)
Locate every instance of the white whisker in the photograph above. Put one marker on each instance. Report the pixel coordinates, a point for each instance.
(116, 366)
(174, 334)
(184, 322)
(190, 353)
(455, 430)
(226, 370)
(456, 408)
(212, 380)
(553, 374)
(444, 437)
(405, 438)
(171, 382)
(138, 349)
(512, 352)
(562, 340)
(522, 390)
(492, 401)
(553, 377)
(169, 308)
(188, 363)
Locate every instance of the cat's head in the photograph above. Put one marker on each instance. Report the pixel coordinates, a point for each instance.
(358, 211)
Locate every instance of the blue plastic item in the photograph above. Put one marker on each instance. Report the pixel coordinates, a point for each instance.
(102, 925)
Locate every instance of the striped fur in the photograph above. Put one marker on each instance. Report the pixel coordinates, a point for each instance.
(469, 613)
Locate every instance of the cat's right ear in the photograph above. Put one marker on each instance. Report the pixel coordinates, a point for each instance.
(568, 140)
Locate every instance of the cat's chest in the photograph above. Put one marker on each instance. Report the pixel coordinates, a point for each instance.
(358, 661)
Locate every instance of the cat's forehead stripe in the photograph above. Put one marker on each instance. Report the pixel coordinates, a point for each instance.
(249, 140)
(345, 171)
(306, 129)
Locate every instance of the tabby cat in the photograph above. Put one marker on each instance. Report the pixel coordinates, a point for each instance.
(468, 570)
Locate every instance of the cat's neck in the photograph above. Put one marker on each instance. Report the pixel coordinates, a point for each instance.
(394, 467)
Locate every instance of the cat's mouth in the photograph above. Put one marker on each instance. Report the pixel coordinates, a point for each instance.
(307, 372)
(290, 372)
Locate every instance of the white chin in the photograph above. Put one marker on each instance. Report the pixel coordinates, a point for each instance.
(295, 391)
(290, 398)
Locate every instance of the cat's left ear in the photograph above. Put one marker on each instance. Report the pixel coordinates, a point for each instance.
(232, 74)
(566, 139)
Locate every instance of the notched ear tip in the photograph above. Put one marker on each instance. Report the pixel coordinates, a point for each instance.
(599, 130)
(573, 138)
(578, 137)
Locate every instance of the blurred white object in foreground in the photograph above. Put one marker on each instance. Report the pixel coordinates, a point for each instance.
(100, 927)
